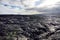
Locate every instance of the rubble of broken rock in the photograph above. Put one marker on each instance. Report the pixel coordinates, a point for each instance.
(30, 27)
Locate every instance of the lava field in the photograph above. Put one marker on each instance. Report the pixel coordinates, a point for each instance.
(29, 27)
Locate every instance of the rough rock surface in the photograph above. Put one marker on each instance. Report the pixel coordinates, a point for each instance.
(29, 27)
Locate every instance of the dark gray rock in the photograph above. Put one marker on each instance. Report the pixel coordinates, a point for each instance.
(32, 27)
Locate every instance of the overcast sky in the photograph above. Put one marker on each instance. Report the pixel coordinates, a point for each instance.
(28, 7)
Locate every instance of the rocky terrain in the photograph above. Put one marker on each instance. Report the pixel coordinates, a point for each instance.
(29, 27)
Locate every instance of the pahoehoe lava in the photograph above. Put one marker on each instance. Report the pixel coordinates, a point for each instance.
(31, 27)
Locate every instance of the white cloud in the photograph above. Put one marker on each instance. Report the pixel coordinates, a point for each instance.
(45, 6)
(48, 3)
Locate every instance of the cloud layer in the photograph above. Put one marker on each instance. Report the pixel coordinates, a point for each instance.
(28, 7)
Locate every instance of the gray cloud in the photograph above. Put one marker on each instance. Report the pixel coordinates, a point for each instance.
(55, 9)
